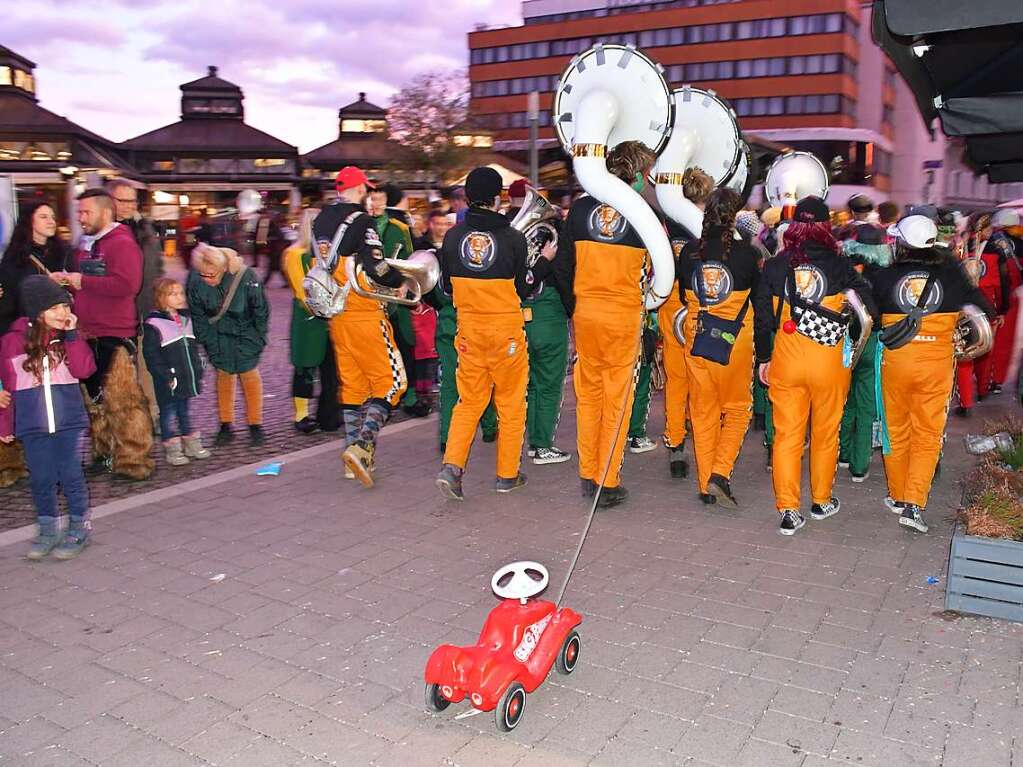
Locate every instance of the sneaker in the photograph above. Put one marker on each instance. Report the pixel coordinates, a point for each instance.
(677, 465)
(224, 436)
(490, 436)
(359, 458)
(843, 462)
(721, 488)
(531, 451)
(74, 541)
(503, 485)
(45, 542)
(895, 507)
(256, 436)
(419, 410)
(707, 498)
(641, 445)
(860, 477)
(769, 465)
(996, 388)
(963, 412)
(99, 465)
(545, 455)
(791, 521)
(912, 518)
(611, 497)
(824, 510)
(589, 488)
(349, 474)
(449, 480)
(306, 426)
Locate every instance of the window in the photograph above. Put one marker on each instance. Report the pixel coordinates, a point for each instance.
(776, 28)
(776, 67)
(744, 68)
(829, 104)
(726, 70)
(163, 165)
(814, 64)
(759, 68)
(833, 22)
(776, 105)
(363, 126)
(797, 25)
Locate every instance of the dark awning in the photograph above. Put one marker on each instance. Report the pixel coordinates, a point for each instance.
(964, 63)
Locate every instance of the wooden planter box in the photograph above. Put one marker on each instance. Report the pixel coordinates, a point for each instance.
(985, 577)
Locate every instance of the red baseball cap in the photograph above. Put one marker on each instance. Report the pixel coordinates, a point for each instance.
(350, 176)
(517, 188)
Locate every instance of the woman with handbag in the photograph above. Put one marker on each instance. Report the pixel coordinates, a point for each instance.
(800, 296)
(718, 275)
(919, 298)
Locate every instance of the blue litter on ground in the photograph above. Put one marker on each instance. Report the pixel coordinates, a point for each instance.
(270, 470)
(932, 580)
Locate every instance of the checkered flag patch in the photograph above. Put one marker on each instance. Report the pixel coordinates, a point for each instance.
(820, 325)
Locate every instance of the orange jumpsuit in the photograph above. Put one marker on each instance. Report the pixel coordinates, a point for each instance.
(721, 395)
(807, 380)
(916, 379)
(483, 267)
(605, 261)
(676, 378)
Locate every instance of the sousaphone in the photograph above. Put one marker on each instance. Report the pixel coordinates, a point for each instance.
(793, 176)
(607, 95)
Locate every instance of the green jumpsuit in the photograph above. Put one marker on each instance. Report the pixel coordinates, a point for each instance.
(397, 241)
(641, 401)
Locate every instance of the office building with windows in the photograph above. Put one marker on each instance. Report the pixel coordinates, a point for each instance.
(803, 74)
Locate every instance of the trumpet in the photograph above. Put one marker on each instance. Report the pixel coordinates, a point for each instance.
(421, 271)
(973, 335)
(534, 221)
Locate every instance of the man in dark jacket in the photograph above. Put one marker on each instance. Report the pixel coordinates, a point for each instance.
(127, 212)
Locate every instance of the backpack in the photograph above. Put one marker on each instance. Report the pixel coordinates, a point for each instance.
(323, 295)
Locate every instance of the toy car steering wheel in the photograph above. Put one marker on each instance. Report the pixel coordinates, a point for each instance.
(522, 582)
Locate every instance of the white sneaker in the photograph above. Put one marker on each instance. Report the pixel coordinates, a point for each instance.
(531, 452)
(895, 507)
(791, 521)
(861, 477)
(641, 445)
(912, 518)
(545, 455)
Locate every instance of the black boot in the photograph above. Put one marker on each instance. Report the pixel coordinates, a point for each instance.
(224, 436)
(611, 497)
(720, 487)
(677, 464)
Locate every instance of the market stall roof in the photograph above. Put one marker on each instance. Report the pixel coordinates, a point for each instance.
(964, 64)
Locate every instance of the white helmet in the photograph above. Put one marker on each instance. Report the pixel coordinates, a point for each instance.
(915, 231)
(1004, 218)
(249, 201)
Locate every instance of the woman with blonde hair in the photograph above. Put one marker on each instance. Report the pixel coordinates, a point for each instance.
(310, 350)
(231, 317)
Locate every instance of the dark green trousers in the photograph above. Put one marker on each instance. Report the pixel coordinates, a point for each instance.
(856, 437)
(641, 403)
(547, 336)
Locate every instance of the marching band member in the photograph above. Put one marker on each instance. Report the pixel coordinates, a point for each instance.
(546, 311)
(718, 276)
(996, 249)
(696, 186)
(1005, 222)
(916, 377)
(603, 258)
(368, 363)
(806, 378)
(483, 268)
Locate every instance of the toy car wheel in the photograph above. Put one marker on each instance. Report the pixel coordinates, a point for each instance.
(434, 700)
(510, 707)
(569, 654)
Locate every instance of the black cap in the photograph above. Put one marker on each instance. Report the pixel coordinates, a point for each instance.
(930, 211)
(860, 203)
(394, 194)
(869, 235)
(483, 185)
(812, 210)
(39, 293)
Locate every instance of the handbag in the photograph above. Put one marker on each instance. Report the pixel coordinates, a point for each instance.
(715, 336)
(900, 333)
(818, 323)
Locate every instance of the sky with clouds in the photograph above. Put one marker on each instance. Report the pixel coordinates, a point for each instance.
(114, 66)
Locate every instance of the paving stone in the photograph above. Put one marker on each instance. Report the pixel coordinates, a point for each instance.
(36, 733)
(714, 740)
(807, 735)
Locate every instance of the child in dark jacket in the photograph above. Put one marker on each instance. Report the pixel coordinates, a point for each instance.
(42, 359)
(172, 356)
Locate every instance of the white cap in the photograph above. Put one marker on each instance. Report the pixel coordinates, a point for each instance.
(1005, 217)
(915, 231)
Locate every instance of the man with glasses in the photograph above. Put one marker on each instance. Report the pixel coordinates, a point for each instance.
(126, 207)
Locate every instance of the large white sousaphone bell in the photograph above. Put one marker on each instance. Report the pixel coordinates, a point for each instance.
(607, 95)
(793, 176)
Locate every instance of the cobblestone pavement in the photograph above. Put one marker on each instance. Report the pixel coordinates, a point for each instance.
(16, 503)
(286, 621)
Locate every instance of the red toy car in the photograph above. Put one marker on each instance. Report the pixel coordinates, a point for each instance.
(520, 641)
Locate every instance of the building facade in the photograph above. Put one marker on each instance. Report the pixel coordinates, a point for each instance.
(804, 74)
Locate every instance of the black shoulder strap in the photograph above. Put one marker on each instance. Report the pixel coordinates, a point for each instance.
(922, 301)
